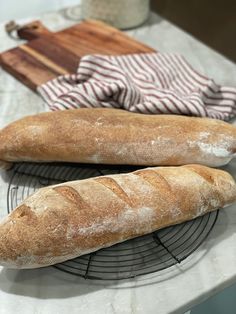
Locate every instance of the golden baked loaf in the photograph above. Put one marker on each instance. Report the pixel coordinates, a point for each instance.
(64, 221)
(112, 136)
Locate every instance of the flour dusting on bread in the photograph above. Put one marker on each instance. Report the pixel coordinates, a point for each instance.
(113, 136)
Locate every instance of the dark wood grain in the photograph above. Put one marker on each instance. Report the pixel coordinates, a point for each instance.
(26, 69)
(48, 54)
(55, 52)
(107, 38)
(33, 30)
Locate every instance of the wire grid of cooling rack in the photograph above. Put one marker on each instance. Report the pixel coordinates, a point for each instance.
(139, 256)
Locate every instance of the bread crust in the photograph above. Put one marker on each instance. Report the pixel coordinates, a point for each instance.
(64, 221)
(112, 136)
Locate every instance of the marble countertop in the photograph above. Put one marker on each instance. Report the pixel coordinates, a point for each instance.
(210, 269)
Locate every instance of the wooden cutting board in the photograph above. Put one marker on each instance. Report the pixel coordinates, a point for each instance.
(47, 54)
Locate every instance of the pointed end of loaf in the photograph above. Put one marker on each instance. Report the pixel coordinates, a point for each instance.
(221, 180)
(14, 240)
(6, 244)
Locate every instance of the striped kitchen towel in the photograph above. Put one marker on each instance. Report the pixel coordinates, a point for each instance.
(151, 83)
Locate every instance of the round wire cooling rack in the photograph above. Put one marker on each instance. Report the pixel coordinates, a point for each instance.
(139, 256)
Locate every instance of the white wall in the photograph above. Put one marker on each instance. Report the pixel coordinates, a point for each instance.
(17, 9)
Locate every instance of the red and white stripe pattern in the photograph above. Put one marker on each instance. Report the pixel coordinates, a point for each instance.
(151, 83)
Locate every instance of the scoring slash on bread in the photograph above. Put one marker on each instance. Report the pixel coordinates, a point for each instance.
(65, 221)
(112, 136)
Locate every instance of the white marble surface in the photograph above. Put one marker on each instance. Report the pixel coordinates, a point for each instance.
(175, 290)
(13, 9)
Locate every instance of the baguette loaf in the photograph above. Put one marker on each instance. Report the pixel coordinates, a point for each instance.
(64, 221)
(112, 136)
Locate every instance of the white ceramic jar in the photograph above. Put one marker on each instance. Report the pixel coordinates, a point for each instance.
(119, 13)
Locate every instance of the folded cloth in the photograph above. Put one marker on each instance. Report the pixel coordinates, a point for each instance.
(151, 83)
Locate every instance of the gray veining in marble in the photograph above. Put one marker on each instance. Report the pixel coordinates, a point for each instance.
(206, 272)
